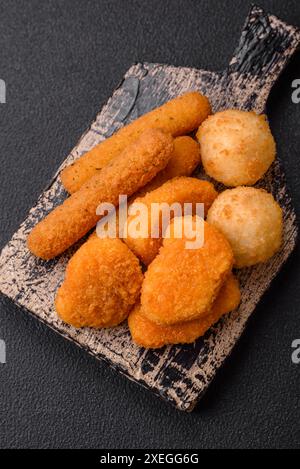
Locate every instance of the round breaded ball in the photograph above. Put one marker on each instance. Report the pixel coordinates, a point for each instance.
(251, 220)
(237, 147)
(102, 283)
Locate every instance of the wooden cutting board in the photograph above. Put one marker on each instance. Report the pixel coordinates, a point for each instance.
(178, 374)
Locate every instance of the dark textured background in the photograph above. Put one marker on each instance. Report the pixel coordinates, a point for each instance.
(61, 61)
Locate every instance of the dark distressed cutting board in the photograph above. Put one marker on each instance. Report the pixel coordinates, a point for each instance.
(179, 374)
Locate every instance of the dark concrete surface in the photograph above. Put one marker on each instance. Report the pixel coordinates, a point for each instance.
(60, 61)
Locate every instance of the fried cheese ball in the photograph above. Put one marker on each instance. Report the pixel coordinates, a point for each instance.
(131, 170)
(237, 147)
(181, 284)
(179, 116)
(148, 334)
(185, 158)
(178, 190)
(102, 283)
(251, 220)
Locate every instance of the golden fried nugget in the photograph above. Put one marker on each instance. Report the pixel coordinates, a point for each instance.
(102, 283)
(178, 117)
(148, 334)
(185, 158)
(178, 190)
(181, 284)
(132, 169)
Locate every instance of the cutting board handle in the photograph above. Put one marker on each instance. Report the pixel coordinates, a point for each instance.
(265, 47)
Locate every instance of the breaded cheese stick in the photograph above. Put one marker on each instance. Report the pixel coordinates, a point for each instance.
(185, 158)
(182, 283)
(178, 190)
(148, 334)
(178, 117)
(132, 169)
(102, 283)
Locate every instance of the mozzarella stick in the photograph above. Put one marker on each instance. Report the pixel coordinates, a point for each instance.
(132, 169)
(179, 190)
(178, 117)
(185, 158)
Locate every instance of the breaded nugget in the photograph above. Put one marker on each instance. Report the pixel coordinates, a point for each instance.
(185, 158)
(178, 117)
(181, 190)
(251, 220)
(102, 283)
(132, 169)
(181, 284)
(237, 147)
(148, 334)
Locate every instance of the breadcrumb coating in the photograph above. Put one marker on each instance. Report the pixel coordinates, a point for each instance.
(179, 116)
(184, 160)
(132, 169)
(252, 222)
(181, 190)
(181, 284)
(102, 283)
(237, 147)
(148, 334)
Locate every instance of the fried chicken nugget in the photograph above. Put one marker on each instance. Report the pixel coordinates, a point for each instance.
(102, 284)
(185, 158)
(181, 284)
(178, 117)
(148, 334)
(178, 190)
(132, 169)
